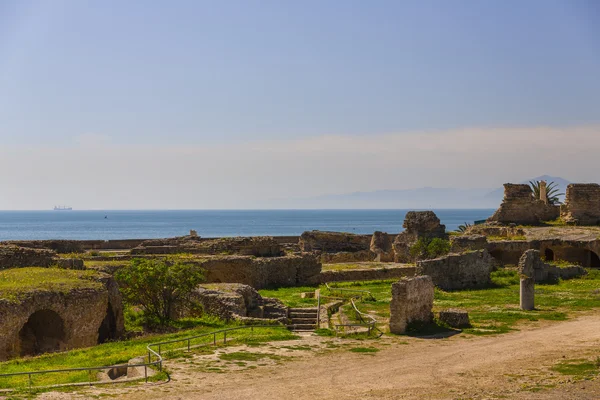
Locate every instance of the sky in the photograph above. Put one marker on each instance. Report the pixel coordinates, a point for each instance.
(247, 104)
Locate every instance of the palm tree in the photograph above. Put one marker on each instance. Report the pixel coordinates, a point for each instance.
(463, 228)
(552, 192)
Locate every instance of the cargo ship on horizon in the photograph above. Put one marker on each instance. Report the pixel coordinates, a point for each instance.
(62, 208)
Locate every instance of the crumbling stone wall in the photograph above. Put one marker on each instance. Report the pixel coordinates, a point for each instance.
(458, 271)
(412, 302)
(12, 256)
(239, 302)
(259, 246)
(460, 244)
(333, 242)
(382, 246)
(364, 274)
(59, 246)
(77, 315)
(417, 225)
(520, 207)
(261, 273)
(582, 204)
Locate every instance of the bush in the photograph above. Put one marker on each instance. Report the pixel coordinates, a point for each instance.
(157, 285)
(425, 248)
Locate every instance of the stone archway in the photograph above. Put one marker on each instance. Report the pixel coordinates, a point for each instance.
(108, 328)
(548, 254)
(43, 332)
(594, 260)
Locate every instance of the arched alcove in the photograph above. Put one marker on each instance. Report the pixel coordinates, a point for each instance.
(108, 327)
(43, 332)
(549, 255)
(594, 260)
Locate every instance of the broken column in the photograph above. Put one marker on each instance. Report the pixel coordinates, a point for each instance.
(527, 267)
(412, 301)
(543, 192)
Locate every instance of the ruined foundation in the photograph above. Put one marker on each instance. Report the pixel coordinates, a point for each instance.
(412, 302)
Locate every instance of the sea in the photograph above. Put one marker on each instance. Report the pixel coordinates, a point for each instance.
(149, 224)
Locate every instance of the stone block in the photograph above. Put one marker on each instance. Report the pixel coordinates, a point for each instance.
(455, 318)
(459, 271)
(412, 302)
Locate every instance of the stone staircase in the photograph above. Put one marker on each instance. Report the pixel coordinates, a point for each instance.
(303, 319)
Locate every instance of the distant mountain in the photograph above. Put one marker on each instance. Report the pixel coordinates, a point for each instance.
(420, 198)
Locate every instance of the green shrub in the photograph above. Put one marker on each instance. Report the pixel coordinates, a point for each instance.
(157, 285)
(426, 248)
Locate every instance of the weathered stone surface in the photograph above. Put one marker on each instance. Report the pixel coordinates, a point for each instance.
(530, 261)
(381, 245)
(412, 302)
(12, 256)
(520, 207)
(333, 242)
(45, 321)
(259, 246)
(347, 257)
(455, 318)
(582, 204)
(463, 243)
(458, 271)
(417, 224)
(236, 301)
(261, 273)
(366, 274)
(69, 263)
(59, 246)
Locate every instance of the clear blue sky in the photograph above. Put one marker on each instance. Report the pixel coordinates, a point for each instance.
(236, 104)
(197, 71)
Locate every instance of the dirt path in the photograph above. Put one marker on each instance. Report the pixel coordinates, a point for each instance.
(513, 365)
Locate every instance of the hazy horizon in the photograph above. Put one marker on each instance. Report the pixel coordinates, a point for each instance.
(262, 105)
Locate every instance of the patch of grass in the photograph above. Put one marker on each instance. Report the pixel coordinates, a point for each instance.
(493, 238)
(291, 296)
(364, 350)
(324, 332)
(505, 277)
(578, 368)
(17, 283)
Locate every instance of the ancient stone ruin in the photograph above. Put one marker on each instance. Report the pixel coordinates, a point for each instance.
(458, 271)
(47, 321)
(381, 245)
(12, 256)
(234, 301)
(530, 261)
(335, 247)
(460, 244)
(412, 302)
(259, 246)
(455, 318)
(417, 225)
(520, 207)
(582, 204)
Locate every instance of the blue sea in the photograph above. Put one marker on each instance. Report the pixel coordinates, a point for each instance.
(105, 225)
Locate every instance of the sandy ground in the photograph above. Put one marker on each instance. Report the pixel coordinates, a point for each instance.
(515, 365)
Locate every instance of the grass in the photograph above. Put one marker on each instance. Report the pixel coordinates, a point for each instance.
(291, 296)
(122, 351)
(578, 368)
(350, 266)
(367, 350)
(17, 283)
(493, 238)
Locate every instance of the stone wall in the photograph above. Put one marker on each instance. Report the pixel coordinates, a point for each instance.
(333, 242)
(55, 321)
(458, 271)
(347, 257)
(382, 246)
(365, 274)
(582, 204)
(259, 246)
(12, 256)
(261, 273)
(417, 225)
(520, 207)
(459, 244)
(237, 301)
(412, 302)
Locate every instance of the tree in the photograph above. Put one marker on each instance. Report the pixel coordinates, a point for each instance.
(463, 228)
(552, 192)
(156, 285)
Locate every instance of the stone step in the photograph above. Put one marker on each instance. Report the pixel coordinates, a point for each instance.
(304, 321)
(302, 327)
(313, 309)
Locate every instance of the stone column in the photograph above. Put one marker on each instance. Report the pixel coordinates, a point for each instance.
(543, 192)
(526, 270)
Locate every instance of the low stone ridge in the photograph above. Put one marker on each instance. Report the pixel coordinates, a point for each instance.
(238, 302)
(47, 320)
(455, 318)
(381, 245)
(259, 246)
(412, 302)
(347, 257)
(582, 204)
(417, 225)
(333, 242)
(459, 244)
(459, 271)
(59, 246)
(12, 256)
(364, 274)
(520, 207)
(263, 272)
